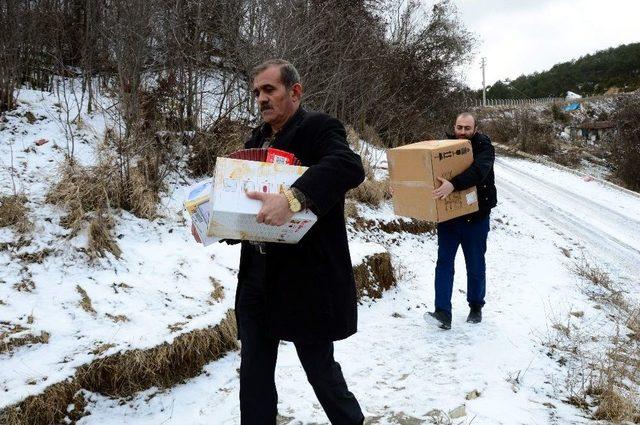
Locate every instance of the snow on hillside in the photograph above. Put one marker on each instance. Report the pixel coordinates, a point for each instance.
(159, 289)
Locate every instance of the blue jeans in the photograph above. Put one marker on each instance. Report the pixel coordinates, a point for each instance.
(472, 235)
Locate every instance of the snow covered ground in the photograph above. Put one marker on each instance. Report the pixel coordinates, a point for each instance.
(402, 369)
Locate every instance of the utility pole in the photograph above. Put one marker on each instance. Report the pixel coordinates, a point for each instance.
(483, 65)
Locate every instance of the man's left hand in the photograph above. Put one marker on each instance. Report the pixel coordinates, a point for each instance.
(275, 209)
(444, 190)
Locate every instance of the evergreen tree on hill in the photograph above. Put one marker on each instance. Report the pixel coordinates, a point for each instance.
(616, 67)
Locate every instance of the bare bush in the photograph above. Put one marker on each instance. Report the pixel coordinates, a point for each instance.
(220, 139)
(567, 156)
(625, 147)
(533, 136)
(558, 115)
(521, 129)
(586, 269)
(501, 128)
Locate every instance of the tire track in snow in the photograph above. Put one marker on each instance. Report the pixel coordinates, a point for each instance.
(597, 227)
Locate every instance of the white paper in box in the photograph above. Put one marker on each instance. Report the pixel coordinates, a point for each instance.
(233, 214)
(199, 209)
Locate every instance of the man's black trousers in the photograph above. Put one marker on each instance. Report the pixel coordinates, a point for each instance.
(258, 395)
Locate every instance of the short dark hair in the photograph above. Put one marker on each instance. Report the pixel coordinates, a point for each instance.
(288, 73)
(469, 114)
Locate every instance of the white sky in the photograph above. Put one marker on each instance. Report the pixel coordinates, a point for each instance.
(521, 37)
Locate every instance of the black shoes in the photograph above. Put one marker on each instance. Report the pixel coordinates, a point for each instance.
(475, 314)
(443, 318)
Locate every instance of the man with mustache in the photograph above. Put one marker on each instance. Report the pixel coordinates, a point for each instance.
(470, 230)
(304, 293)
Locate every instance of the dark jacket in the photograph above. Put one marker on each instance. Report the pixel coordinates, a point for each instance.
(480, 174)
(310, 289)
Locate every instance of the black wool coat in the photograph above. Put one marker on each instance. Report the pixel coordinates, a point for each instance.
(310, 288)
(479, 174)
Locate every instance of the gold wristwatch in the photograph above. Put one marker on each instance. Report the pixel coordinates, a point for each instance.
(294, 203)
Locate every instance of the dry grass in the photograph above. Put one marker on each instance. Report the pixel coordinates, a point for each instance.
(592, 273)
(85, 301)
(80, 191)
(31, 118)
(616, 388)
(567, 156)
(399, 225)
(606, 384)
(143, 198)
(500, 127)
(9, 341)
(15, 245)
(350, 210)
(218, 290)
(101, 349)
(101, 240)
(371, 191)
(615, 406)
(14, 212)
(374, 276)
(118, 318)
(371, 135)
(83, 191)
(26, 284)
(86, 193)
(47, 408)
(604, 289)
(35, 257)
(11, 344)
(125, 374)
(353, 138)
(633, 323)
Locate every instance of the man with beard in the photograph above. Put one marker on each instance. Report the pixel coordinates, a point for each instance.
(304, 293)
(470, 230)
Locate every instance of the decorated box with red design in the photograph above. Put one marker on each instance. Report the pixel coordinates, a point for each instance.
(233, 214)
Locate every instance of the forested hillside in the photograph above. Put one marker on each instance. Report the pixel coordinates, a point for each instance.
(615, 69)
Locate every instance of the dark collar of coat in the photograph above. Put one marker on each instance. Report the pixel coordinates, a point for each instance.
(265, 129)
(473, 138)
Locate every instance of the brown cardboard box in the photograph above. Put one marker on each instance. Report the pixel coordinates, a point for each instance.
(413, 171)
